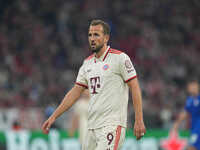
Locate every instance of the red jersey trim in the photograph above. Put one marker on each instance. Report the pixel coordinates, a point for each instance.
(131, 78)
(83, 85)
(118, 134)
(106, 54)
(114, 51)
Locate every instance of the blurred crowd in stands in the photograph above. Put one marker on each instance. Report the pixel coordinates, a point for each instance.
(43, 43)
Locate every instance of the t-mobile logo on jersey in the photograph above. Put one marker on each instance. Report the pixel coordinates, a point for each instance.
(95, 83)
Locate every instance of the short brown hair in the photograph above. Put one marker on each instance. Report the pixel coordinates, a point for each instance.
(193, 80)
(106, 27)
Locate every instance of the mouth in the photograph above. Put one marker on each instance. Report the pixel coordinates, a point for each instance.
(93, 45)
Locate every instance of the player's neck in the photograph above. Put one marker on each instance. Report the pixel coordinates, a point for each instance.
(101, 52)
(194, 94)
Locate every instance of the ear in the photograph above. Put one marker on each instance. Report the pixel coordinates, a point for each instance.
(106, 39)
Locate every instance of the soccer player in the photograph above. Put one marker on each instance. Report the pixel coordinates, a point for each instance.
(192, 110)
(108, 74)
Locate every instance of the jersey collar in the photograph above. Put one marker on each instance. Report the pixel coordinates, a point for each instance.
(103, 57)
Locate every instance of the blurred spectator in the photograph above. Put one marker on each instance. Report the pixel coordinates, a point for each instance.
(16, 125)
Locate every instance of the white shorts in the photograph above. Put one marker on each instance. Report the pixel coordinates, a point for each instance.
(105, 138)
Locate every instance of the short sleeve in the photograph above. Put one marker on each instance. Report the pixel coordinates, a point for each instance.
(81, 78)
(127, 69)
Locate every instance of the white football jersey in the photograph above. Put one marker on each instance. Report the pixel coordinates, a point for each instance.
(106, 78)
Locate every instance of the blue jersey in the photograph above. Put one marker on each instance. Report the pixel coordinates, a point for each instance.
(192, 106)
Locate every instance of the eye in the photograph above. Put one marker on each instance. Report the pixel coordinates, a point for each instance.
(89, 34)
(96, 34)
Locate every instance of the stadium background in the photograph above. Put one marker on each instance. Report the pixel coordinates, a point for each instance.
(43, 43)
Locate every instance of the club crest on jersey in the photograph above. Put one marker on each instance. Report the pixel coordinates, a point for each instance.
(105, 67)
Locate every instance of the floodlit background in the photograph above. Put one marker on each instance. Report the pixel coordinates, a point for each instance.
(43, 43)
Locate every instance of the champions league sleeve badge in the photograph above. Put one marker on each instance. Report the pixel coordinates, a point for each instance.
(128, 64)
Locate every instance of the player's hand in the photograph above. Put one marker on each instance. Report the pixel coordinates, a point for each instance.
(139, 129)
(47, 125)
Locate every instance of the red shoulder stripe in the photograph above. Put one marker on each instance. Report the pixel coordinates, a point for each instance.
(90, 57)
(114, 51)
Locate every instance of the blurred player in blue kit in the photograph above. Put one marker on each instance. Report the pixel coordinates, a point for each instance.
(192, 110)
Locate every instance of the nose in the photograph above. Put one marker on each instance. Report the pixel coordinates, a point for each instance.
(92, 38)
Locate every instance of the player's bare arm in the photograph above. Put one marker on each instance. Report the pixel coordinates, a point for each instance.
(139, 127)
(69, 99)
(182, 116)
